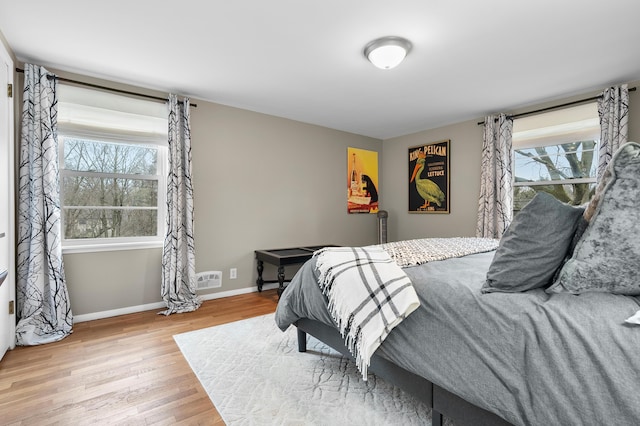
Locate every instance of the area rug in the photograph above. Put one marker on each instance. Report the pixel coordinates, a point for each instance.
(255, 375)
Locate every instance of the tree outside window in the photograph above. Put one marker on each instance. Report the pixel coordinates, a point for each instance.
(567, 171)
(109, 190)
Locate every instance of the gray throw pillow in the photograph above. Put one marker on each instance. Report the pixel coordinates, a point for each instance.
(606, 257)
(580, 228)
(534, 246)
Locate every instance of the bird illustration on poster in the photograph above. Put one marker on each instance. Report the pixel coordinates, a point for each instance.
(429, 177)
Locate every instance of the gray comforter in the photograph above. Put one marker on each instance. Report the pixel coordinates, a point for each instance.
(531, 358)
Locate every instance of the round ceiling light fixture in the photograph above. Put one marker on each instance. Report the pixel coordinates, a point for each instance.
(387, 52)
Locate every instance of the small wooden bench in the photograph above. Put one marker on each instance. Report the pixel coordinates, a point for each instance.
(281, 258)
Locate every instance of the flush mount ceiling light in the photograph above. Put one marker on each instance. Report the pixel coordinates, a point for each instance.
(387, 52)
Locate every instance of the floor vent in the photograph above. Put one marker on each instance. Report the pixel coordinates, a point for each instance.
(209, 279)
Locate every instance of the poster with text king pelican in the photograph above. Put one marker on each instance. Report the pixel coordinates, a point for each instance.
(428, 178)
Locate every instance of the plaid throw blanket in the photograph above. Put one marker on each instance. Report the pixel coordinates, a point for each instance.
(368, 296)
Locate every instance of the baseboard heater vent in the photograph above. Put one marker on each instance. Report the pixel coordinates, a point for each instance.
(209, 279)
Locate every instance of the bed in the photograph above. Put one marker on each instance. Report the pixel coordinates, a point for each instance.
(538, 331)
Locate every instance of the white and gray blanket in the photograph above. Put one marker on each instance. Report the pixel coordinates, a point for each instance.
(416, 252)
(368, 294)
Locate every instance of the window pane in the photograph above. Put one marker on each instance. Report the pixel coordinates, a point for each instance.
(555, 162)
(574, 194)
(100, 191)
(109, 223)
(106, 157)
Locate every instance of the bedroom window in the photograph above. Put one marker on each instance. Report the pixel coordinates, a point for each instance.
(556, 152)
(113, 158)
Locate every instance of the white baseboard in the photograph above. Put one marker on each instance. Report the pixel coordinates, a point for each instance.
(161, 305)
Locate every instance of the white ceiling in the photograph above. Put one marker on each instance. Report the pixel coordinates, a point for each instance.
(303, 60)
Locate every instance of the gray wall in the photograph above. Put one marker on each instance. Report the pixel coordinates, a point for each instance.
(465, 150)
(466, 145)
(265, 182)
(260, 182)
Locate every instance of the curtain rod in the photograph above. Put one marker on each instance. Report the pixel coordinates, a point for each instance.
(568, 104)
(97, 86)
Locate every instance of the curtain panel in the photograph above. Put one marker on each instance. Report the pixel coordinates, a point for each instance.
(495, 205)
(43, 308)
(178, 258)
(613, 109)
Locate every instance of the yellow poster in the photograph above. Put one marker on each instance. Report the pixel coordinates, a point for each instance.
(362, 181)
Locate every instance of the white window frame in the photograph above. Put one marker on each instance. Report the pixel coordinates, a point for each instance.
(575, 124)
(553, 182)
(125, 123)
(80, 245)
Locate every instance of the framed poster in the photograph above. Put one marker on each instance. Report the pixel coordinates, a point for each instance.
(362, 181)
(429, 178)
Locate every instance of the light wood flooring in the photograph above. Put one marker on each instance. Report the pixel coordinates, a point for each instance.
(125, 370)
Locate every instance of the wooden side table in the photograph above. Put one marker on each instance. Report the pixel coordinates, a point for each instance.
(281, 258)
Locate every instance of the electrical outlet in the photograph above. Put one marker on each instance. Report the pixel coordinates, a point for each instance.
(233, 273)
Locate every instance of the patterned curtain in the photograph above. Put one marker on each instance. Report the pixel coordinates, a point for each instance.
(178, 258)
(613, 109)
(495, 206)
(43, 305)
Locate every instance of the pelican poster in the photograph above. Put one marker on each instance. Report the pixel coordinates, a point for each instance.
(362, 181)
(429, 178)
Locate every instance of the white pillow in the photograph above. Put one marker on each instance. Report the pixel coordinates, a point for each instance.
(633, 319)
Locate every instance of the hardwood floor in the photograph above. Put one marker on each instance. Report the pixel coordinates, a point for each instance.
(125, 370)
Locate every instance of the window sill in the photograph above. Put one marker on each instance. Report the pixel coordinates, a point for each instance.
(121, 246)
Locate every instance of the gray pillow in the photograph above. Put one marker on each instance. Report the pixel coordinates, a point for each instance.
(534, 246)
(606, 257)
(580, 228)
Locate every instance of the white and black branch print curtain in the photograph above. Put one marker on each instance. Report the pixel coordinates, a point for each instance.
(178, 257)
(495, 206)
(613, 109)
(44, 313)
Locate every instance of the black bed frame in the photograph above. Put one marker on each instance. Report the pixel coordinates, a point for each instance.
(441, 401)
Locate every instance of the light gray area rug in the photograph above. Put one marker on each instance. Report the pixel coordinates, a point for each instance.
(255, 375)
